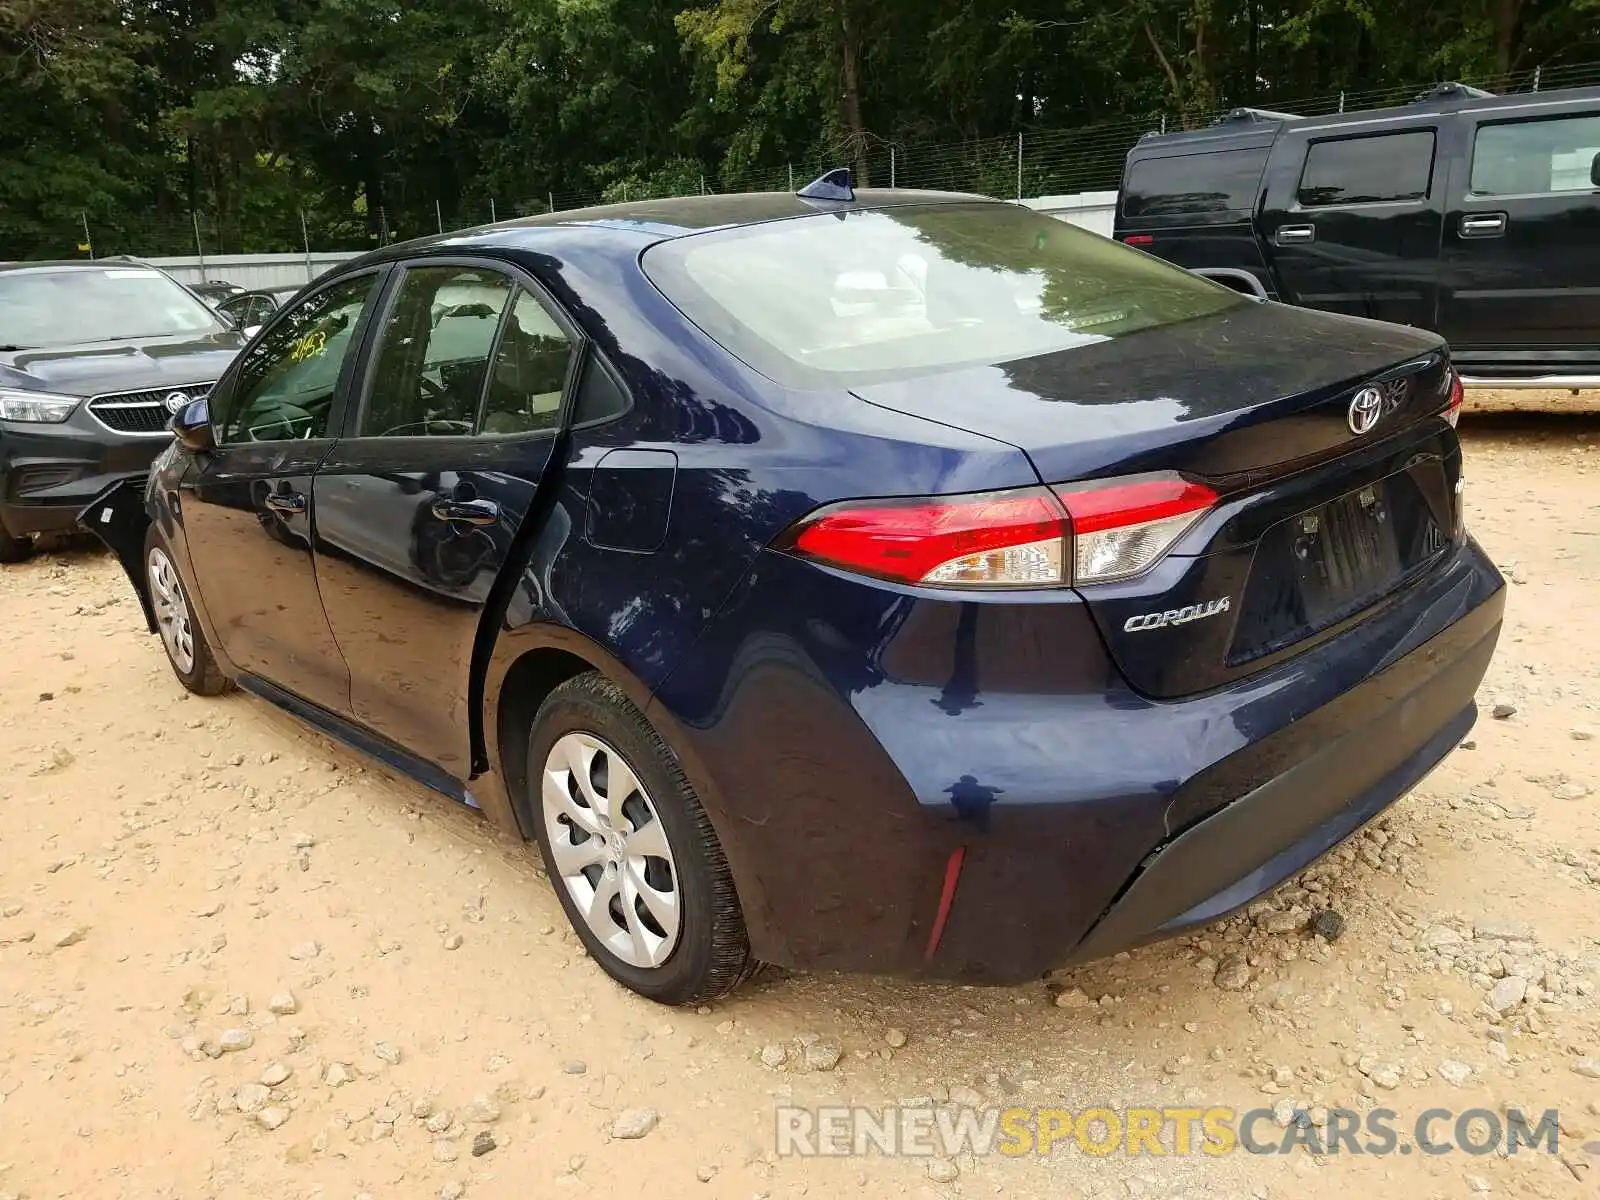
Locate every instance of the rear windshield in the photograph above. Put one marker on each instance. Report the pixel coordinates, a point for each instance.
(82, 305)
(861, 296)
(1220, 181)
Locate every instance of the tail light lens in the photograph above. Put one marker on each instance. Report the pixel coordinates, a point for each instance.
(991, 539)
(1033, 538)
(1122, 528)
(1458, 394)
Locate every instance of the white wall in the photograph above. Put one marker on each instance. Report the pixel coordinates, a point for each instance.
(1095, 211)
(251, 270)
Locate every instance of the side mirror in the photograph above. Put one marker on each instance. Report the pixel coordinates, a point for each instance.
(1594, 170)
(191, 425)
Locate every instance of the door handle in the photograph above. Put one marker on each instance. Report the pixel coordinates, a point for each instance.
(469, 512)
(286, 502)
(1483, 225)
(1295, 235)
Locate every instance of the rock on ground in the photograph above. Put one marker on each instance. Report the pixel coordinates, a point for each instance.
(634, 1123)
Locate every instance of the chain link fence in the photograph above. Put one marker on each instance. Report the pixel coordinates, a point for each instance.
(1051, 162)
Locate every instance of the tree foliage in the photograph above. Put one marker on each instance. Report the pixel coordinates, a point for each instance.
(264, 124)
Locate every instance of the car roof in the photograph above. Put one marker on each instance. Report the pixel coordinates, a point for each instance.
(680, 215)
(651, 221)
(69, 264)
(1243, 127)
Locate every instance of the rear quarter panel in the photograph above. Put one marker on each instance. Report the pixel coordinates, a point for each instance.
(750, 459)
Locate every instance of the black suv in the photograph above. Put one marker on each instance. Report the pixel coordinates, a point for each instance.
(95, 357)
(1473, 215)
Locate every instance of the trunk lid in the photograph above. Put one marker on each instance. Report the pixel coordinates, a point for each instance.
(1317, 526)
(1251, 389)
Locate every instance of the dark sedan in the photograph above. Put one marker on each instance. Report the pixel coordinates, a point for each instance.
(880, 580)
(249, 311)
(95, 357)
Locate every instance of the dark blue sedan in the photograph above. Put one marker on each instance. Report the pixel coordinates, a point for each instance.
(888, 581)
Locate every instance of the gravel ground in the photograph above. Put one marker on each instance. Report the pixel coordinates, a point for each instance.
(239, 961)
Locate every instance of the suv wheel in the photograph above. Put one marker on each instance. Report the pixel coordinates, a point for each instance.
(629, 850)
(14, 549)
(187, 651)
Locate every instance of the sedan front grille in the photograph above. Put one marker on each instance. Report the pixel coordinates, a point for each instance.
(142, 412)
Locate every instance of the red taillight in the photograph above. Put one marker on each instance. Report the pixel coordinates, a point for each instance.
(1078, 533)
(1139, 239)
(1458, 394)
(1124, 527)
(1098, 506)
(993, 539)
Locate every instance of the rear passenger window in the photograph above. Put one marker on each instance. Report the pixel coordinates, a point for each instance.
(433, 358)
(1522, 157)
(1368, 170)
(530, 372)
(1191, 184)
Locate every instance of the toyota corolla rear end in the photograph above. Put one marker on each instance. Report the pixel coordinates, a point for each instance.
(1232, 614)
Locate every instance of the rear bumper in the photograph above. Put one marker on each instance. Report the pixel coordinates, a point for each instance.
(1354, 725)
(1085, 818)
(1396, 729)
(49, 473)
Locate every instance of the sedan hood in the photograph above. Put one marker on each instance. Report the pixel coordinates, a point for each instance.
(1242, 392)
(142, 364)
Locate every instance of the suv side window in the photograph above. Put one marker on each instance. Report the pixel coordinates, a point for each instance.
(285, 386)
(433, 357)
(1186, 184)
(1368, 170)
(1540, 156)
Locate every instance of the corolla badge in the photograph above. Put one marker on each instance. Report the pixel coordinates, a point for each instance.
(176, 402)
(1365, 409)
(1175, 616)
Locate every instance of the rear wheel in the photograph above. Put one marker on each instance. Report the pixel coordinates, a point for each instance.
(633, 858)
(187, 651)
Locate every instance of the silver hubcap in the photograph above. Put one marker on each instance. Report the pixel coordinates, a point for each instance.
(172, 614)
(610, 850)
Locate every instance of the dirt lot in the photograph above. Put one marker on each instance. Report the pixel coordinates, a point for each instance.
(198, 899)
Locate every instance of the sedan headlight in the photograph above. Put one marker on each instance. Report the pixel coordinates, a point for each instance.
(36, 406)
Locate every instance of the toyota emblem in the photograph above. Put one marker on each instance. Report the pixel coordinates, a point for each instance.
(176, 402)
(1365, 409)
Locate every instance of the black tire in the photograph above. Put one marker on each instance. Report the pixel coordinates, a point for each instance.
(712, 953)
(14, 549)
(203, 676)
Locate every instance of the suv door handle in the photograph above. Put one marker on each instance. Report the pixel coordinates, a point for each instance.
(470, 512)
(1483, 225)
(286, 502)
(1294, 235)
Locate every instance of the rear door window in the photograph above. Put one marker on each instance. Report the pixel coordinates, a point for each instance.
(1377, 169)
(429, 372)
(1537, 157)
(529, 376)
(1194, 184)
(466, 351)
